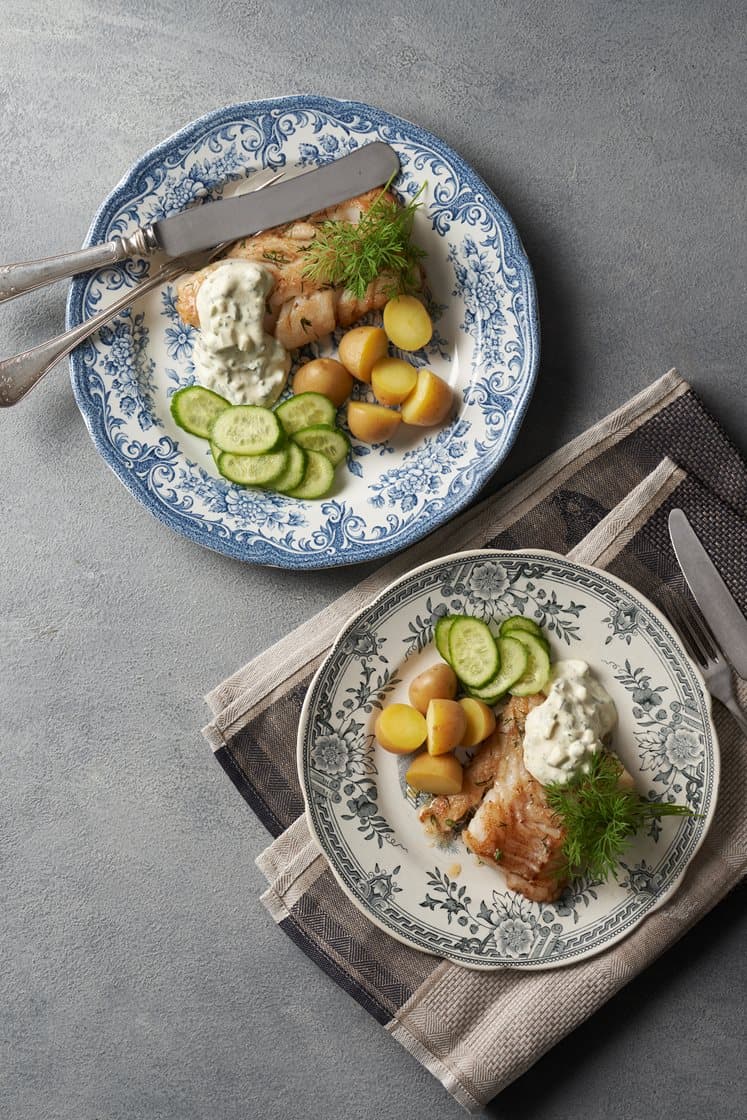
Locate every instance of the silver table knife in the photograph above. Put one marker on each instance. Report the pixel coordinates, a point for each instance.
(203, 227)
(711, 593)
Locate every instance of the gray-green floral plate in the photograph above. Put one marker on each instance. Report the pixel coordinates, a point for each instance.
(439, 899)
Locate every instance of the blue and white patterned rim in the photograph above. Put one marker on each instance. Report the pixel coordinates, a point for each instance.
(484, 302)
(364, 817)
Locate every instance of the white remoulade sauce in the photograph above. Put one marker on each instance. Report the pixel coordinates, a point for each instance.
(569, 727)
(234, 355)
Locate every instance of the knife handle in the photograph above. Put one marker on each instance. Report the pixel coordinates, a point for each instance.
(19, 374)
(26, 276)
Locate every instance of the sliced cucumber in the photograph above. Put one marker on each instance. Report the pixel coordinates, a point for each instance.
(253, 470)
(247, 429)
(537, 673)
(295, 469)
(514, 661)
(322, 437)
(318, 477)
(520, 622)
(305, 411)
(443, 629)
(195, 409)
(473, 652)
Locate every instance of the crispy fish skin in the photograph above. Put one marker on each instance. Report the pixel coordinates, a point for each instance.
(512, 827)
(299, 310)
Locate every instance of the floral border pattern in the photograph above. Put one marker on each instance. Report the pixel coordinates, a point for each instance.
(392, 506)
(668, 712)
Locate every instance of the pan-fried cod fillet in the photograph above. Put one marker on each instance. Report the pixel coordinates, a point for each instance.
(299, 310)
(512, 827)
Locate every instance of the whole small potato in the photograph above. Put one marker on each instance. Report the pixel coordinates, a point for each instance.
(407, 323)
(372, 423)
(442, 775)
(430, 401)
(437, 683)
(361, 348)
(480, 721)
(392, 380)
(325, 376)
(400, 729)
(446, 723)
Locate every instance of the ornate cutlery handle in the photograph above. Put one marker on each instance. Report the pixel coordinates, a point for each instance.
(19, 374)
(17, 279)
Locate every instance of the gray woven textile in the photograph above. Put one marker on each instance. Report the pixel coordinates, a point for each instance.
(603, 500)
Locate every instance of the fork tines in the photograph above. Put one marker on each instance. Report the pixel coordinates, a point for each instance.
(694, 630)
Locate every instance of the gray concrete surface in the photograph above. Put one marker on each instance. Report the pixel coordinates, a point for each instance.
(140, 978)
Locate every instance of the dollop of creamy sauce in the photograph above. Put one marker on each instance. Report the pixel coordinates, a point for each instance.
(569, 727)
(234, 355)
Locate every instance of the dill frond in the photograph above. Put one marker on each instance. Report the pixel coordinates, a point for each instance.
(599, 816)
(352, 256)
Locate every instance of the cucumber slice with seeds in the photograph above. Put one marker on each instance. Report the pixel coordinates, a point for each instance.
(295, 469)
(473, 652)
(514, 661)
(305, 411)
(247, 429)
(195, 409)
(322, 437)
(520, 622)
(443, 629)
(253, 470)
(525, 626)
(537, 673)
(318, 477)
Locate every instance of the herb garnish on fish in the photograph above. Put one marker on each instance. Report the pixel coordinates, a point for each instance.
(354, 255)
(599, 815)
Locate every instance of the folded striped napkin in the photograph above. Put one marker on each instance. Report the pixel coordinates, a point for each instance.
(603, 500)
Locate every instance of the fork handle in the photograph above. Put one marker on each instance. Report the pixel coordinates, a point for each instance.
(737, 714)
(18, 375)
(26, 276)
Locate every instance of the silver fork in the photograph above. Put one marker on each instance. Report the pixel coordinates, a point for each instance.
(704, 650)
(19, 374)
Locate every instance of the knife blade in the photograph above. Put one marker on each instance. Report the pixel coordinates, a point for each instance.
(711, 593)
(208, 225)
(201, 227)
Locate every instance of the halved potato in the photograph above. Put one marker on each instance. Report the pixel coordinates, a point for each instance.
(392, 380)
(407, 323)
(480, 721)
(361, 348)
(400, 729)
(446, 723)
(430, 401)
(372, 422)
(441, 775)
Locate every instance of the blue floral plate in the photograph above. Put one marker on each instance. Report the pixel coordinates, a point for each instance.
(364, 816)
(485, 344)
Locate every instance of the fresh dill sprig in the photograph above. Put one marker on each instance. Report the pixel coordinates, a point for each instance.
(353, 256)
(599, 815)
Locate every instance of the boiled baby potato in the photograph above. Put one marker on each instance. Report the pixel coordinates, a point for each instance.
(392, 380)
(446, 724)
(437, 683)
(430, 401)
(400, 729)
(407, 323)
(442, 775)
(480, 721)
(371, 422)
(361, 348)
(325, 376)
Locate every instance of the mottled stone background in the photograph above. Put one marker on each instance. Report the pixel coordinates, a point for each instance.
(140, 977)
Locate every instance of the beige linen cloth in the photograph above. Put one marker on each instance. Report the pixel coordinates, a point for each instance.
(603, 500)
